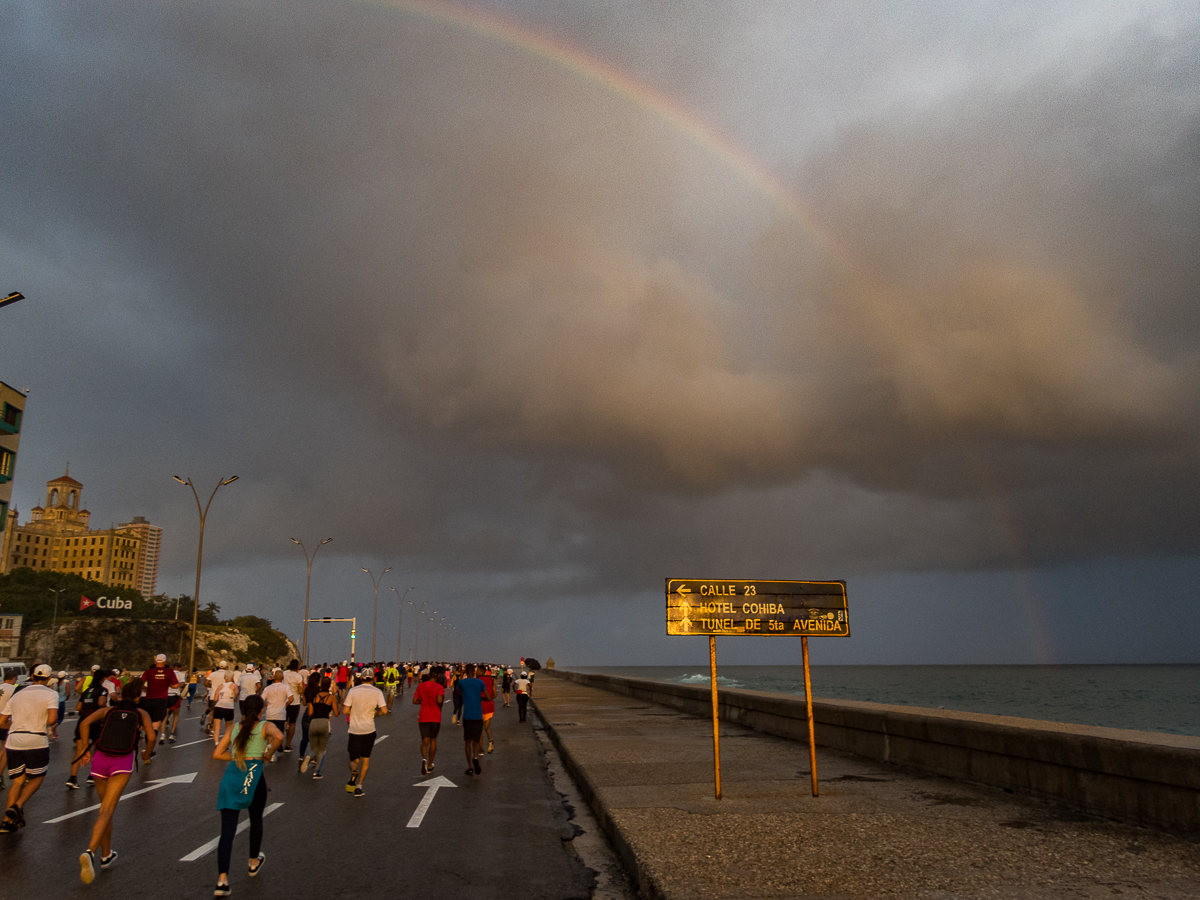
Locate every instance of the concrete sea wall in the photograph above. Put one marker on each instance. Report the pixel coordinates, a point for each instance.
(1142, 777)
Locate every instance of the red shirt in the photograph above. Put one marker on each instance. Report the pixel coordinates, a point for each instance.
(158, 680)
(489, 706)
(343, 674)
(430, 694)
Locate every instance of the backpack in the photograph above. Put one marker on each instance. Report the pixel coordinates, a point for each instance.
(119, 731)
(91, 696)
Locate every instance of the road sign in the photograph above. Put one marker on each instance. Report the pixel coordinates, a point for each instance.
(697, 606)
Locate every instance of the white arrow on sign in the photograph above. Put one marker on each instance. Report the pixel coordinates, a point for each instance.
(154, 786)
(432, 784)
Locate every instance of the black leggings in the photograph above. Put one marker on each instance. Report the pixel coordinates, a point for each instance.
(229, 822)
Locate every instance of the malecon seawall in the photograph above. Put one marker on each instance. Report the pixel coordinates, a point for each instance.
(1134, 776)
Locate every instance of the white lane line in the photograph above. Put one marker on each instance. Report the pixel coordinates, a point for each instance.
(192, 743)
(381, 739)
(154, 785)
(205, 849)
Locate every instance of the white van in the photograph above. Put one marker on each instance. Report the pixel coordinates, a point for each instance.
(18, 667)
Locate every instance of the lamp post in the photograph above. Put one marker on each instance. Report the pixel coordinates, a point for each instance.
(431, 621)
(307, 585)
(400, 626)
(417, 631)
(57, 592)
(200, 553)
(375, 620)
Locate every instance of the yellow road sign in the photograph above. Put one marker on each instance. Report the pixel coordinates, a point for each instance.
(697, 606)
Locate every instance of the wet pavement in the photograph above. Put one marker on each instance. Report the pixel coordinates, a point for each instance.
(875, 830)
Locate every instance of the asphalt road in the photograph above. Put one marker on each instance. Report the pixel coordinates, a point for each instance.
(494, 836)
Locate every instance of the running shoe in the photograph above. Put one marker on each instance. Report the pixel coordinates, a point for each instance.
(287, 749)
(491, 744)
(350, 786)
(424, 767)
(358, 792)
(304, 764)
(222, 890)
(89, 780)
(171, 739)
(470, 772)
(478, 767)
(106, 861)
(87, 867)
(317, 776)
(261, 860)
(73, 783)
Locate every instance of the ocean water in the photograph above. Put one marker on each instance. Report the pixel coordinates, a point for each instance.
(1144, 698)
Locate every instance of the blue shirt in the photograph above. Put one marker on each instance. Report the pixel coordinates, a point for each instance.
(473, 691)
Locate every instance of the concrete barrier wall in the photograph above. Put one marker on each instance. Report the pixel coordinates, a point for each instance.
(1142, 777)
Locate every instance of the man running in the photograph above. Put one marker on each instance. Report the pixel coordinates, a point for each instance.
(430, 696)
(506, 684)
(391, 680)
(295, 681)
(489, 704)
(249, 684)
(276, 696)
(174, 704)
(474, 692)
(27, 715)
(363, 702)
(343, 679)
(158, 679)
(6, 690)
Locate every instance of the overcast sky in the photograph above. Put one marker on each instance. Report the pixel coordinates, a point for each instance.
(913, 301)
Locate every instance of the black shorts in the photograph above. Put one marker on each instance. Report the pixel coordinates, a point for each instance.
(293, 711)
(429, 729)
(30, 763)
(359, 745)
(83, 714)
(472, 729)
(3, 735)
(173, 701)
(155, 707)
(220, 714)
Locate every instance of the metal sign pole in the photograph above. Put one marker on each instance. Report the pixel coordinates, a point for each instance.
(712, 665)
(812, 738)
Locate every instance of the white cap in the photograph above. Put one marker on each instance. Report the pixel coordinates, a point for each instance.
(249, 667)
(95, 668)
(116, 671)
(222, 664)
(62, 674)
(276, 670)
(162, 657)
(42, 671)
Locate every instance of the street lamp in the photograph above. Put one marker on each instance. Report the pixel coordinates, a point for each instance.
(11, 298)
(375, 621)
(57, 592)
(417, 630)
(200, 553)
(307, 584)
(431, 621)
(400, 626)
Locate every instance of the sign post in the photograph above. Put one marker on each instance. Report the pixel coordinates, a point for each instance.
(765, 608)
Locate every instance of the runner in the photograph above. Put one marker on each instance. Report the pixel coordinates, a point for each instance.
(117, 730)
(489, 704)
(6, 690)
(158, 680)
(312, 687)
(93, 697)
(223, 710)
(506, 684)
(473, 692)
(524, 687)
(249, 684)
(244, 786)
(276, 696)
(322, 704)
(343, 679)
(363, 702)
(214, 681)
(27, 715)
(430, 696)
(294, 680)
(62, 687)
(192, 684)
(174, 702)
(391, 681)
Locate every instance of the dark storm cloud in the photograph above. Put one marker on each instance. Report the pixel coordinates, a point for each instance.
(463, 307)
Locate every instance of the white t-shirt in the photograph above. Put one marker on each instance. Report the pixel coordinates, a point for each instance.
(29, 709)
(521, 685)
(177, 688)
(361, 702)
(275, 696)
(226, 694)
(248, 683)
(295, 685)
(216, 678)
(6, 689)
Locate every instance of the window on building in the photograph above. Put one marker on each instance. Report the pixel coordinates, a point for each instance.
(8, 460)
(11, 418)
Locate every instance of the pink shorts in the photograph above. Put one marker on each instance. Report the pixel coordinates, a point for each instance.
(105, 766)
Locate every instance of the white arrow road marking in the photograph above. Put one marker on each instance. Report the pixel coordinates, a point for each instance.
(208, 848)
(432, 786)
(381, 739)
(154, 786)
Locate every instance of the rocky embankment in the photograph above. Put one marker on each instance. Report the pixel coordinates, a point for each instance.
(132, 644)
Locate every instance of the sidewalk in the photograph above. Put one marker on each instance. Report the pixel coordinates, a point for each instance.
(875, 831)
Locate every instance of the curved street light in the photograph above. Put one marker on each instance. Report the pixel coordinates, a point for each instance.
(308, 584)
(375, 620)
(57, 592)
(200, 554)
(431, 622)
(417, 630)
(400, 626)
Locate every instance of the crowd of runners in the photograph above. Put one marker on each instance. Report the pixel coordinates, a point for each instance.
(121, 717)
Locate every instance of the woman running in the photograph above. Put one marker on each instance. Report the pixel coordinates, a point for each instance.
(112, 765)
(323, 705)
(311, 689)
(226, 701)
(246, 746)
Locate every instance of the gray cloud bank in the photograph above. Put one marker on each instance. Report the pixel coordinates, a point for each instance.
(460, 306)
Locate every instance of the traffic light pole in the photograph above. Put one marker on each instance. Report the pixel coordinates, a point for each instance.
(353, 630)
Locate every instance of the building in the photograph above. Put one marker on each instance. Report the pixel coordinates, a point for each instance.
(10, 636)
(12, 409)
(57, 538)
(145, 573)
